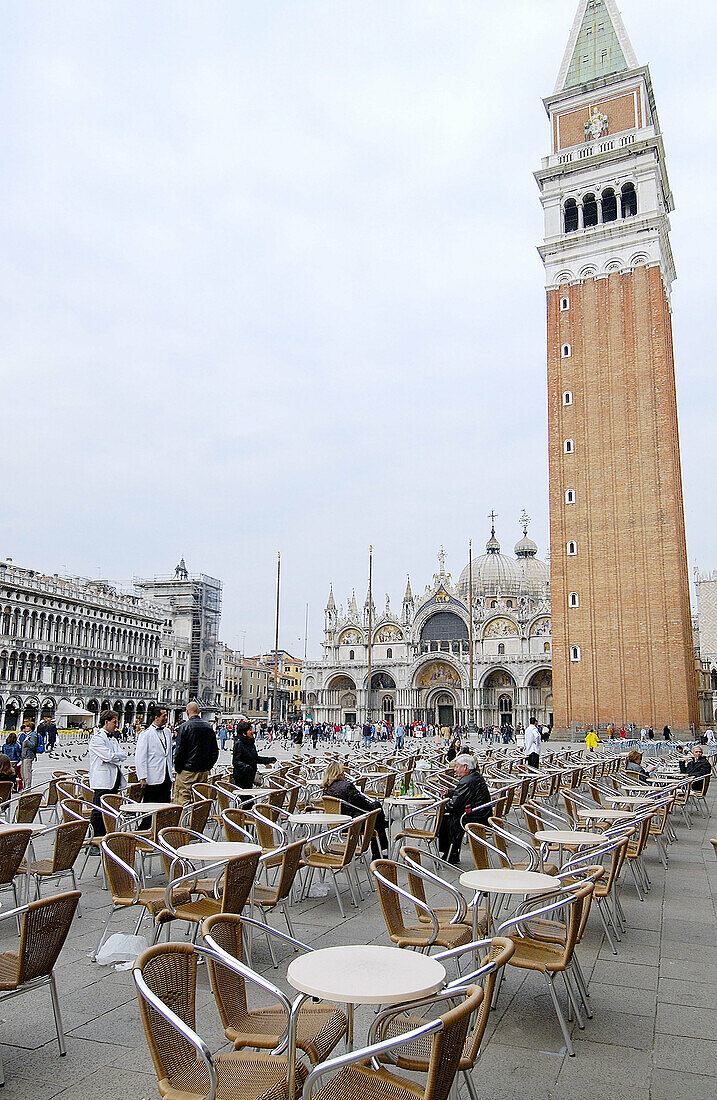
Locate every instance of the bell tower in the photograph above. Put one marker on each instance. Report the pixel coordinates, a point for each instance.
(621, 620)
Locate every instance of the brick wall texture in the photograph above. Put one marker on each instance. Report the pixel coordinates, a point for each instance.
(633, 625)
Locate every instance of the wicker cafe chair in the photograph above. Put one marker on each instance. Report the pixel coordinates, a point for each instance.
(13, 845)
(268, 897)
(6, 789)
(238, 880)
(176, 837)
(548, 959)
(433, 816)
(196, 814)
(355, 1078)
(335, 861)
(166, 980)
(429, 864)
(119, 854)
(44, 926)
(396, 1020)
(424, 935)
(69, 839)
(318, 1026)
(27, 807)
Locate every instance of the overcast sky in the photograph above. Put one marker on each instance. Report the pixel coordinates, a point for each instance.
(270, 281)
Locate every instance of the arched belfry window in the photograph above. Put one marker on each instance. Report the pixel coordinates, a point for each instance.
(351, 655)
(609, 205)
(590, 211)
(571, 216)
(629, 201)
(501, 649)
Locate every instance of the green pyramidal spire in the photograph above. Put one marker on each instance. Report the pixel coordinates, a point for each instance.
(598, 45)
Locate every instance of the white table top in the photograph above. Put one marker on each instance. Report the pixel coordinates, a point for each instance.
(13, 827)
(407, 800)
(569, 836)
(602, 813)
(318, 818)
(148, 808)
(221, 849)
(504, 880)
(631, 800)
(366, 974)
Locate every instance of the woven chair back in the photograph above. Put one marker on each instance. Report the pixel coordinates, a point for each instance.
(447, 1046)
(69, 839)
(13, 845)
(289, 868)
(197, 814)
(228, 987)
(235, 817)
(121, 883)
(166, 819)
(43, 932)
(27, 807)
(170, 971)
(238, 881)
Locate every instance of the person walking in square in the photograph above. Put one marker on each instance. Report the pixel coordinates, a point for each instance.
(195, 754)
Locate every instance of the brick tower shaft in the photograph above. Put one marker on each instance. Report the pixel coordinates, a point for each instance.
(622, 630)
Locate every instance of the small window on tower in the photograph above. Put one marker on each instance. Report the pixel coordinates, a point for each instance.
(603, 56)
(629, 201)
(566, 351)
(568, 397)
(569, 447)
(501, 649)
(564, 305)
(389, 654)
(569, 496)
(571, 216)
(572, 548)
(574, 652)
(590, 211)
(351, 655)
(574, 599)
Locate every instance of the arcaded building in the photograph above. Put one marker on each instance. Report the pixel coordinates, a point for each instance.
(420, 654)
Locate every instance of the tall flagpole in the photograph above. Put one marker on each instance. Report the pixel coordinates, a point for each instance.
(276, 636)
(370, 624)
(471, 715)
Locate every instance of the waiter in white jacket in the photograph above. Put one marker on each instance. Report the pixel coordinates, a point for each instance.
(532, 744)
(105, 757)
(153, 760)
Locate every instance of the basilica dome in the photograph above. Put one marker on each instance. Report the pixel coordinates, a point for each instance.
(494, 572)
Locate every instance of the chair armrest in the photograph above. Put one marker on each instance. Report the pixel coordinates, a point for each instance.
(125, 867)
(440, 884)
(179, 1025)
(365, 1053)
(518, 922)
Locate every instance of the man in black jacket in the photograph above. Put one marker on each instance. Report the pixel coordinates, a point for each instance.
(468, 795)
(195, 754)
(697, 767)
(245, 758)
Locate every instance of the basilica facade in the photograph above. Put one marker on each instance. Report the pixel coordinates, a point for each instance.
(420, 658)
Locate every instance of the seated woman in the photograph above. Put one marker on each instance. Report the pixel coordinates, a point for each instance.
(7, 771)
(634, 768)
(337, 785)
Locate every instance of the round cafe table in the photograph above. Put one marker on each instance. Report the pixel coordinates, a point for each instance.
(145, 808)
(211, 850)
(630, 800)
(364, 974)
(505, 880)
(603, 813)
(316, 817)
(569, 838)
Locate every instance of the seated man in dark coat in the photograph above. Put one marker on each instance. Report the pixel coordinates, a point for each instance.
(696, 767)
(245, 758)
(470, 797)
